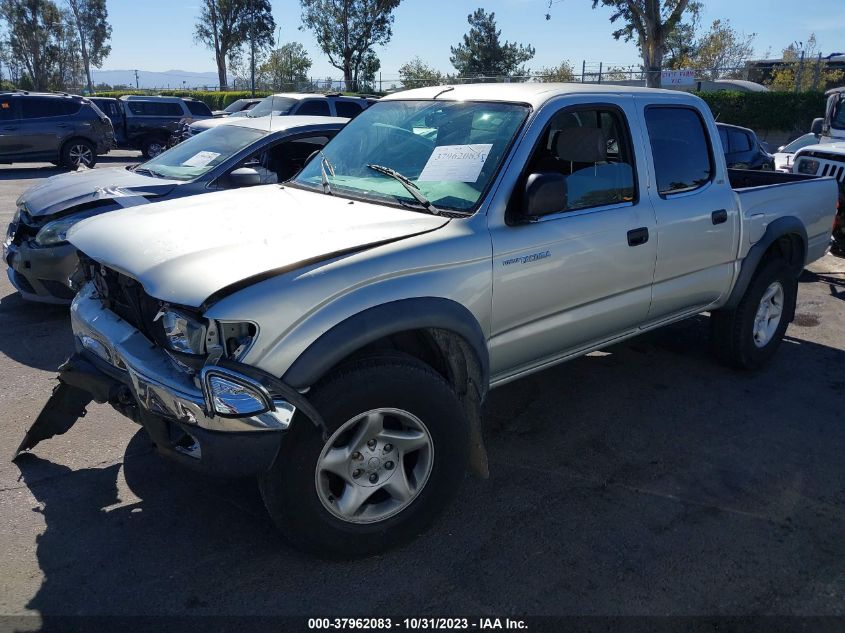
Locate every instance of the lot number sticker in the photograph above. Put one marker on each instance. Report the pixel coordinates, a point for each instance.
(200, 159)
(455, 163)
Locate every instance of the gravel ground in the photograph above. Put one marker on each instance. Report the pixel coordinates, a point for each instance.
(643, 479)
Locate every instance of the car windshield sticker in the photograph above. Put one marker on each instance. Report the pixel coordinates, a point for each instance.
(200, 159)
(456, 163)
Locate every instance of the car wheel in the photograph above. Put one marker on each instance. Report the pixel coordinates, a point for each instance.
(79, 152)
(748, 335)
(395, 452)
(153, 147)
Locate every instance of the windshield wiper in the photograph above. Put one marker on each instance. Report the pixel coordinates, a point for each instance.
(410, 186)
(324, 177)
(147, 172)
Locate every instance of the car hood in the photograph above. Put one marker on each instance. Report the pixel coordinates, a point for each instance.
(85, 187)
(185, 250)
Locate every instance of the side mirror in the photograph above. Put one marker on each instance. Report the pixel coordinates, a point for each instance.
(817, 126)
(544, 194)
(244, 177)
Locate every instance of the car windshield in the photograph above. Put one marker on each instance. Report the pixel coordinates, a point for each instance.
(272, 105)
(838, 119)
(448, 150)
(202, 153)
(800, 142)
(235, 106)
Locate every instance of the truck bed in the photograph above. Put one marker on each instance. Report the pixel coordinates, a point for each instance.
(765, 196)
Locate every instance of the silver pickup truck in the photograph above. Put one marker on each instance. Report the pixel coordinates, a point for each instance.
(336, 335)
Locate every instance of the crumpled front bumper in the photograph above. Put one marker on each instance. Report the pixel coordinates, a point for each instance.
(42, 274)
(117, 364)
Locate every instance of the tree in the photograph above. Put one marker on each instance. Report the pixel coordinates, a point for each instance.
(226, 25)
(347, 30)
(416, 74)
(563, 72)
(722, 52)
(370, 65)
(90, 18)
(33, 28)
(801, 74)
(649, 23)
(483, 53)
(286, 67)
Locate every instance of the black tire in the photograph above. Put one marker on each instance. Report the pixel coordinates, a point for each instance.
(153, 146)
(78, 151)
(290, 487)
(732, 331)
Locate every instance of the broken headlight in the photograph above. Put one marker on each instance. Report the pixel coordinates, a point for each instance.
(55, 232)
(182, 332)
(237, 338)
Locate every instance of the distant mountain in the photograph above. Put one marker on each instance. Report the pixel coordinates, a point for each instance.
(149, 79)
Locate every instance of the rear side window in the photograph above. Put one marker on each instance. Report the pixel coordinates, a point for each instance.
(347, 109)
(39, 108)
(682, 158)
(154, 108)
(198, 107)
(314, 107)
(740, 141)
(109, 108)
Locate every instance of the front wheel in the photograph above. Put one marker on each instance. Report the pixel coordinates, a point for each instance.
(396, 453)
(748, 335)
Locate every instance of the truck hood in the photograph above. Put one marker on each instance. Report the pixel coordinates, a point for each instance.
(82, 188)
(185, 250)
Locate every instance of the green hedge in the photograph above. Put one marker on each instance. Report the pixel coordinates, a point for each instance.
(215, 100)
(764, 111)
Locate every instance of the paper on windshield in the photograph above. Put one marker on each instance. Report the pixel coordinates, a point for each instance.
(455, 163)
(200, 159)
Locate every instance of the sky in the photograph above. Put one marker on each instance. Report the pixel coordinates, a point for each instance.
(157, 35)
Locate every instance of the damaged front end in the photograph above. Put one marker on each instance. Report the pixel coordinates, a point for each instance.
(173, 373)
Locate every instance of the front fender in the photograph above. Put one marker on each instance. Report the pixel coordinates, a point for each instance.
(383, 320)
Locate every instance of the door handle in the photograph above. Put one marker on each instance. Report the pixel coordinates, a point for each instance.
(638, 236)
(719, 217)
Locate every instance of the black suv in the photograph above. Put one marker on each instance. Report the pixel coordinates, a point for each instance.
(742, 148)
(149, 121)
(59, 128)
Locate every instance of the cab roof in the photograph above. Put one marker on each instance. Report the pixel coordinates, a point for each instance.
(534, 94)
(285, 122)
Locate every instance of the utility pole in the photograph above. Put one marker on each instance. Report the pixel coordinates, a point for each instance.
(252, 51)
(136, 80)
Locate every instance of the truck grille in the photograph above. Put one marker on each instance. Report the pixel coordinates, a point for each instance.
(124, 296)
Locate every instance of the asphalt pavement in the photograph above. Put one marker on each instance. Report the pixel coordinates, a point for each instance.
(645, 479)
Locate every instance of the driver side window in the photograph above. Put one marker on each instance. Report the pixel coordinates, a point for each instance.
(282, 161)
(591, 148)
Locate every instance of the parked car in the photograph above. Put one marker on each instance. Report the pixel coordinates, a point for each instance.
(151, 120)
(42, 265)
(293, 104)
(337, 336)
(113, 109)
(828, 158)
(241, 105)
(783, 157)
(742, 148)
(59, 128)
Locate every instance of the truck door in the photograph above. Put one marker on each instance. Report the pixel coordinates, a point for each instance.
(696, 211)
(582, 273)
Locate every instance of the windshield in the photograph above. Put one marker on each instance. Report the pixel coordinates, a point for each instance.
(272, 105)
(799, 143)
(838, 119)
(449, 150)
(201, 153)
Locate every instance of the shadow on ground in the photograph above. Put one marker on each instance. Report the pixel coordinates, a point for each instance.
(642, 479)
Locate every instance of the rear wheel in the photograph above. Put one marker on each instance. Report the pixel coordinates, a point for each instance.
(78, 153)
(396, 453)
(747, 336)
(152, 147)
